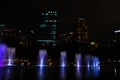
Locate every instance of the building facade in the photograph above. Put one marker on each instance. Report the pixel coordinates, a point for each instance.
(47, 28)
(81, 30)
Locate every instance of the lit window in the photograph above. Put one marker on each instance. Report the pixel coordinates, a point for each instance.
(46, 14)
(55, 14)
(42, 25)
(48, 11)
(20, 31)
(32, 31)
(42, 13)
(50, 20)
(55, 11)
(55, 20)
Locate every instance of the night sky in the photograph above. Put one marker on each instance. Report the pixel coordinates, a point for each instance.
(103, 15)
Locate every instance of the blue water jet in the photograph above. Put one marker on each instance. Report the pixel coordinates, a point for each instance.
(95, 61)
(63, 56)
(42, 57)
(88, 60)
(11, 55)
(78, 60)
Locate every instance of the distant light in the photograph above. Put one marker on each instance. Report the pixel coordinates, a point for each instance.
(32, 31)
(118, 60)
(50, 21)
(81, 19)
(117, 31)
(47, 14)
(2, 25)
(71, 33)
(42, 13)
(114, 40)
(22, 64)
(92, 43)
(43, 25)
(55, 20)
(46, 41)
(20, 31)
(46, 20)
(114, 60)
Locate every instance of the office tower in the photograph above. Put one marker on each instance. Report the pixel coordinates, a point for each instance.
(81, 30)
(47, 28)
(81, 35)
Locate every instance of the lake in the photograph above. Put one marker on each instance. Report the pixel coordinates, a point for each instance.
(103, 72)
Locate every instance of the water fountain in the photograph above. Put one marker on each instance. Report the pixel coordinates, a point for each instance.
(63, 57)
(6, 55)
(78, 60)
(42, 57)
(10, 56)
(3, 52)
(88, 60)
(95, 61)
(92, 60)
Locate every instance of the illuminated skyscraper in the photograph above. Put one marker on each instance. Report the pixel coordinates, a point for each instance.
(81, 30)
(81, 35)
(47, 28)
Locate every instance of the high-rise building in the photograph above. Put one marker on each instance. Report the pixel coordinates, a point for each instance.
(81, 30)
(81, 35)
(47, 28)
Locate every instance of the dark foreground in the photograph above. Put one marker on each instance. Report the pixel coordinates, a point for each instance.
(104, 72)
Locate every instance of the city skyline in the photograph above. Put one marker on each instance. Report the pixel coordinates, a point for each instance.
(103, 16)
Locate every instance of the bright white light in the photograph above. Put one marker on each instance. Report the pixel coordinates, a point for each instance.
(117, 31)
(118, 60)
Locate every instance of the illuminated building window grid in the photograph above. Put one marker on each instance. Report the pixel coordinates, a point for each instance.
(49, 13)
(82, 34)
(49, 23)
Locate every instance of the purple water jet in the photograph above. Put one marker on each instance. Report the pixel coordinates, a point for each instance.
(42, 57)
(78, 60)
(88, 60)
(10, 56)
(63, 56)
(92, 60)
(3, 52)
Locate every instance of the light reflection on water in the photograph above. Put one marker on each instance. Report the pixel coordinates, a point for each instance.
(8, 74)
(1, 73)
(78, 73)
(93, 71)
(63, 73)
(41, 73)
(88, 72)
(96, 71)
